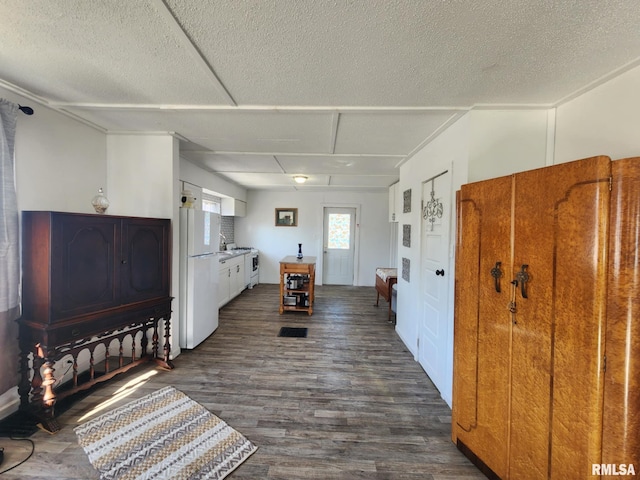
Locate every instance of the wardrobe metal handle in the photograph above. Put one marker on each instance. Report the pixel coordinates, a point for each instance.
(523, 277)
(496, 273)
(440, 272)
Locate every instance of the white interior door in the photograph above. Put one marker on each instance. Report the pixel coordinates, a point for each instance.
(339, 245)
(434, 272)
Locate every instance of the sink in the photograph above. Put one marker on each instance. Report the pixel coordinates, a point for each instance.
(225, 254)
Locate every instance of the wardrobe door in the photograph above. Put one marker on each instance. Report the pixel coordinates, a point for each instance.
(482, 322)
(621, 431)
(560, 253)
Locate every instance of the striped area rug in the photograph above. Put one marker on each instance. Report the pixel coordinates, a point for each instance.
(163, 435)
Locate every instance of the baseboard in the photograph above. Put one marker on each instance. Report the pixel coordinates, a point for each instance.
(10, 404)
(407, 343)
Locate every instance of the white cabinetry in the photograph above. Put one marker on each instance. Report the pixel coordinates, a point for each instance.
(237, 284)
(394, 202)
(232, 273)
(224, 289)
(232, 207)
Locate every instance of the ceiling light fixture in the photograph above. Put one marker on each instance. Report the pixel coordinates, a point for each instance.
(300, 178)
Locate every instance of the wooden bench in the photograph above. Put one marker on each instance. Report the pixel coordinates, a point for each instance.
(385, 279)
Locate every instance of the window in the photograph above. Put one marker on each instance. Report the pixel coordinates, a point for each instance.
(339, 234)
(209, 205)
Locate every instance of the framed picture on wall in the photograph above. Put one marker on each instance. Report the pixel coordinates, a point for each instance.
(286, 217)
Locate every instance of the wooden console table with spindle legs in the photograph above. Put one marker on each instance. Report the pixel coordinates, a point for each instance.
(39, 390)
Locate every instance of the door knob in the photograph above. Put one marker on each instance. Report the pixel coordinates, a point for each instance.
(440, 272)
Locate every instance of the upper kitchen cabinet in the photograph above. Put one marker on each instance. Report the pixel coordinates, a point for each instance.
(232, 207)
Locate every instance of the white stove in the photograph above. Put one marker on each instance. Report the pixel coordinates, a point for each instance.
(255, 267)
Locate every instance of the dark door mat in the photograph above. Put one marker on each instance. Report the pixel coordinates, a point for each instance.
(293, 332)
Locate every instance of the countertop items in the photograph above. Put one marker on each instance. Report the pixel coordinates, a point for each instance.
(301, 261)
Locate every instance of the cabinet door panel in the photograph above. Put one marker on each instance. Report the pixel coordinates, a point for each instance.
(83, 276)
(560, 234)
(621, 429)
(482, 321)
(224, 287)
(238, 276)
(144, 250)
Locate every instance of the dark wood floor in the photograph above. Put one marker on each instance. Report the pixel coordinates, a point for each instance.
(347, 402)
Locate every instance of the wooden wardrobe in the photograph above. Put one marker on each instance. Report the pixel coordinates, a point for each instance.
(547, 314)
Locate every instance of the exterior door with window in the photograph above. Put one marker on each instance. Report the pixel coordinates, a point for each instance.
(339, 245)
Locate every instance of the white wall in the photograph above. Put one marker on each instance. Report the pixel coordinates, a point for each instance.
(502, 142)
(142, 181)
(482, 144)
(603, 121)
(60, 163)
(140, 175)
(258, 229)
(450, 151)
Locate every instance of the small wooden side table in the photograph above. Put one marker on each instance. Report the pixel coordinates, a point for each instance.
(297, 280)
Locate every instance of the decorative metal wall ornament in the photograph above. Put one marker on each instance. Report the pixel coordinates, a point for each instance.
(433, 209)
(406, 269)
(406, 235)
(406, 208)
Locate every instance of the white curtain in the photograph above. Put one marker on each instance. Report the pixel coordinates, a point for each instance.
(9, 241)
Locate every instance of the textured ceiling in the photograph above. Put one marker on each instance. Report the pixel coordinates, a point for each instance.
(341, 91)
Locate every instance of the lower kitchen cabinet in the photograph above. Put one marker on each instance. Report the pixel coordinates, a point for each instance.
(232, 282)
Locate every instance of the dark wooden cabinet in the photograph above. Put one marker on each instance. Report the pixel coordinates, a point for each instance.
(88, 276)
(542, 321)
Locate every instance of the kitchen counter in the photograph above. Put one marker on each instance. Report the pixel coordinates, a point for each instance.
(227, 254)
(301, 261)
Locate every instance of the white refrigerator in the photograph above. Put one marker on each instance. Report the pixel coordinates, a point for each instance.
(199, 271)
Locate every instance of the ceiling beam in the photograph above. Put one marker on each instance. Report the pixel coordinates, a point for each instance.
(165, 12)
